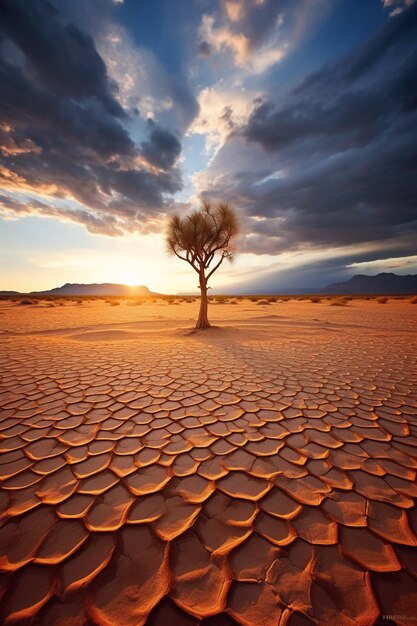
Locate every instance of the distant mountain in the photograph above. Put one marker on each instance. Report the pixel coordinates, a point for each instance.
(94, 289)
(384, 284)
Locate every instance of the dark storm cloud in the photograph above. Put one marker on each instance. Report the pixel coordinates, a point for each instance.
(59, 55)
(341, 153)
(31, 110)
(62, 130)
(354, 99)
(162, 149)
(316, 274)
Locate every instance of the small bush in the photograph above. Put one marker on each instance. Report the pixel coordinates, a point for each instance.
(315, 299)
(413, 300)
(221, 299)
(262, 302)
(382, 300)
(26, 301)
(339, 302)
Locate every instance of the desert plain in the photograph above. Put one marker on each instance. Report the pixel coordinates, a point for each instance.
(261, 473)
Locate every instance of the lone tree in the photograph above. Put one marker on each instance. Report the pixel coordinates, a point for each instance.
(201, 238)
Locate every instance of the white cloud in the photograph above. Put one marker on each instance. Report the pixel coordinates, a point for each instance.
(398, 6)
(222, 108)
(143, 83)
(234, 10)
(132, 69)
(408, 264)
(223, 39)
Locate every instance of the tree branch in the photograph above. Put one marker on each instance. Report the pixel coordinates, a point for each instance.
(183, 258)
(215, 267)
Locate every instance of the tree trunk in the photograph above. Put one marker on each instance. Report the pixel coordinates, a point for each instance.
(202, 321)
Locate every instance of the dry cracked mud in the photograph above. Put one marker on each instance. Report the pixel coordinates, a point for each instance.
(260, 474)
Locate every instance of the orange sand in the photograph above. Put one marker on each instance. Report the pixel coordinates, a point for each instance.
(259, 474)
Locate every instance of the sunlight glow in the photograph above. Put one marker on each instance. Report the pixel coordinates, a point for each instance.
(129, 278)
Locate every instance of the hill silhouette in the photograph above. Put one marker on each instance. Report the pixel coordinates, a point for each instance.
(92, 289)
(385, 283)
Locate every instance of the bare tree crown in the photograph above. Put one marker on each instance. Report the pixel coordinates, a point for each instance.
(204, 235)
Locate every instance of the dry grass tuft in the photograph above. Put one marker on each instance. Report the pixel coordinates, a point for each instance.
(340, 301)
(263, 302)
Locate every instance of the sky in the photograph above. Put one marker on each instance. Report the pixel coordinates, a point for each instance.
(115, 115)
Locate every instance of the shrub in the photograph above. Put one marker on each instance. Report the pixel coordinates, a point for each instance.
(263, 302)
(382, 300)
(339, 302)
(413, 300)
(26, 301)
(315, 299)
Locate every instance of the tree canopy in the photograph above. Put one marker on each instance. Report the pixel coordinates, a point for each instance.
(204, 236)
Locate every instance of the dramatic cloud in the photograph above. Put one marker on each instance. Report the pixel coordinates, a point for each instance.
(59, 55)
(64, 133)
(257, 33)
(162, 149)
(302, 113)
(334, 163)
(223, 107)
(143, 83)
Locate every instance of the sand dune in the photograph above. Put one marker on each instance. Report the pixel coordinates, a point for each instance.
(261, 473)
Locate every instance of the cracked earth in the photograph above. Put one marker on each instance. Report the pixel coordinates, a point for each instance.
(263, 473)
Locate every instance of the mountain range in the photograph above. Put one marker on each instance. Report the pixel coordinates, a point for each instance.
(93, 289)
(384, 284)
(361, 284)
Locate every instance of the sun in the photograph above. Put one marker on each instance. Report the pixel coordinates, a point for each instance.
(129, 279)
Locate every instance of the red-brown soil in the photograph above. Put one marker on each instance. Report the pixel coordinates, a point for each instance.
(260, 473)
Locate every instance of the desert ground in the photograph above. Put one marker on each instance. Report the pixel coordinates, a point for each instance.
(259, 473)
